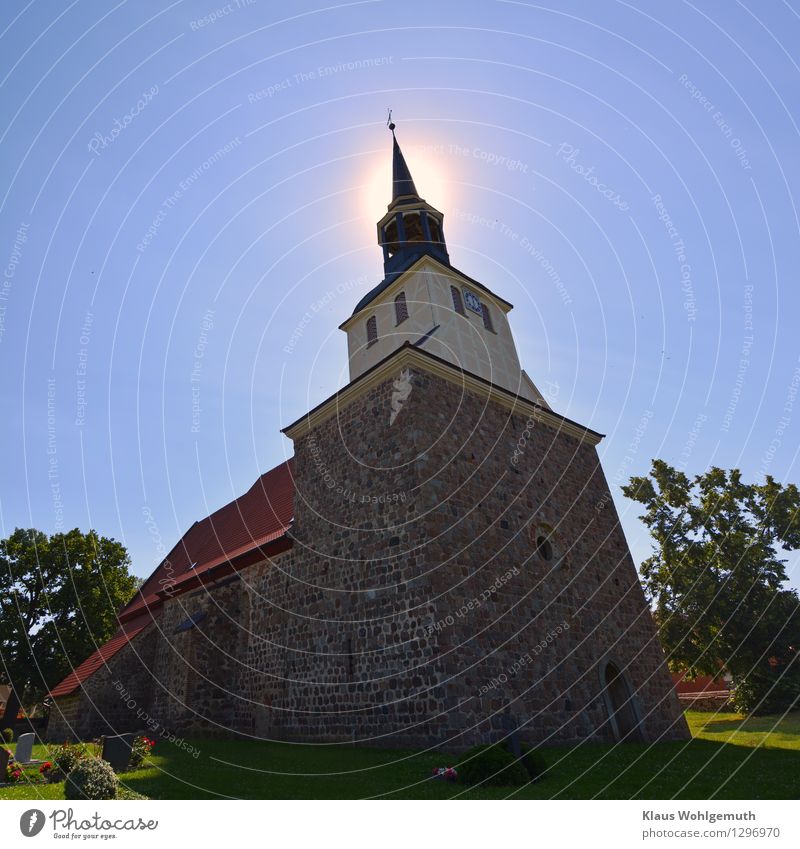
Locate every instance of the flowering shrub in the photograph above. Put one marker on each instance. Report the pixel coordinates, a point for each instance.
(92, 778)
(64, 759)
(141, 749)
(45, 767)
(13, 770)
(445, 773)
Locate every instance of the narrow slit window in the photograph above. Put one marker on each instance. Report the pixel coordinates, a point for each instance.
(487, 318)
(400, 308)
(458, 303)
(372, 331)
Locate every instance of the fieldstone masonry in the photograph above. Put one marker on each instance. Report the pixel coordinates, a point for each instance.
(101, 707)
(453, 571)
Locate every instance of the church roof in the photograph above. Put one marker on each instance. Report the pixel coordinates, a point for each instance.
(413, 260)
(247, 525)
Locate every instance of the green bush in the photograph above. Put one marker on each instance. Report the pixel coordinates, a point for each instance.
(127, 793)
(66, 757)
(8, 735)
(92, 778)
(492, 764)
(766, 691)
(533, 762)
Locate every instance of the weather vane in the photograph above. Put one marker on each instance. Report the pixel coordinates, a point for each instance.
(389, 121)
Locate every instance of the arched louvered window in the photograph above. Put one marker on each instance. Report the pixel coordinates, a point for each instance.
(372, 331)
(458, 303)
(487, 318)
(400, 308)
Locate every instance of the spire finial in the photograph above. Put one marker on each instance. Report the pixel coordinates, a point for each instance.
(390, 123)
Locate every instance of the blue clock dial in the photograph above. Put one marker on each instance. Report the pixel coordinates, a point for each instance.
(472, 301)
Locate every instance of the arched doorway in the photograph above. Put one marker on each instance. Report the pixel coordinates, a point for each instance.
(621, 709)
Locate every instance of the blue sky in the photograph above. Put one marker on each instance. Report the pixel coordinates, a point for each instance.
(182, 183)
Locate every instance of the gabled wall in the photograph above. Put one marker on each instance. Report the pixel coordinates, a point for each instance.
(460, 339)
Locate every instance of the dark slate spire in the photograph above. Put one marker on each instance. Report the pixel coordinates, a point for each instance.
(410, 229)
(402, 181)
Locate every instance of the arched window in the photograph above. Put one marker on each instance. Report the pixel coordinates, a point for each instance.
(458, 303)
(621, 705)
(546, 545)
(487, 318)
(390, 237)
(543, 546)
(372, 330)
(413, 227)
(400, 308)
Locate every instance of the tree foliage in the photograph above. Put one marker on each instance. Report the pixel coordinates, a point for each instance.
(716, 581)
(59, 596)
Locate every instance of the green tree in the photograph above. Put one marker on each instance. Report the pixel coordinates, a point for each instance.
(716, 581)
(59, 596)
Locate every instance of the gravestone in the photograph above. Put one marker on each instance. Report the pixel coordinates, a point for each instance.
(510, 726)
(4, 756)
(117, 751)
(24, 749)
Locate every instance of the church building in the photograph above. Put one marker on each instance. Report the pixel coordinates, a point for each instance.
(440, 561)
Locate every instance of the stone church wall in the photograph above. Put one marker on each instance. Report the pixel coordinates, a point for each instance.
(114, 700)
(416, 607)
(198, 662)
(340, 648)
(519, 634)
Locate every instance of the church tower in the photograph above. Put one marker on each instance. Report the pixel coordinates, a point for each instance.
(461, 570)
(426, 302)
(439, 565)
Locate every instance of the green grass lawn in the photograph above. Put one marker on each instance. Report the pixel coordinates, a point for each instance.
(729, 758)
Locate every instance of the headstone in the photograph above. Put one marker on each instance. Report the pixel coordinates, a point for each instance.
(4, 756)
(24, 750)
(117, 751)
(510, 726)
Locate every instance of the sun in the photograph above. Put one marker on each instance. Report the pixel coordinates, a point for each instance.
(429, 168)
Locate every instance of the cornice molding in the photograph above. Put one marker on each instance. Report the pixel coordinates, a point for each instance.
(410, 356)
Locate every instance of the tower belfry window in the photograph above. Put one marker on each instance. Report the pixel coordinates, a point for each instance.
(413, 227)
(487, 318)
(400, 308)
(372, 330)
(434, 229)
(391, 237)
(458, 303)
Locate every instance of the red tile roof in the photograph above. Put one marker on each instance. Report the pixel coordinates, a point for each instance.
(703, 684)
(250, 523)
(262, 515)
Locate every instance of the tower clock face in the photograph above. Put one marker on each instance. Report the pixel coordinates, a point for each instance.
(472, 301)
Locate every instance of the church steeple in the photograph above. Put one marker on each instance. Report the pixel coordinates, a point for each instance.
(402, 181)
(411, 228)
